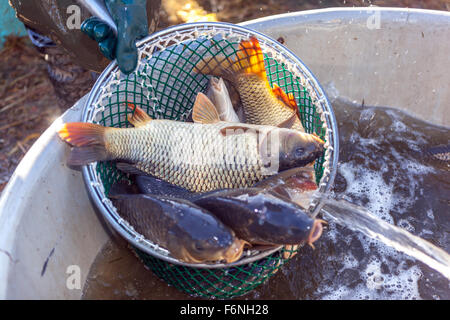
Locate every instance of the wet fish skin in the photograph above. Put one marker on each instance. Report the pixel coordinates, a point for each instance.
(150, 185)
(154, 186)
(219, 96)
(294, 152)
(190, 233)
(261, 103)
(285, 183)
(300, 179)
(189, 155)
(262, 217)
(123, 187)
(296, 184)
(197, 156)
(293, 177)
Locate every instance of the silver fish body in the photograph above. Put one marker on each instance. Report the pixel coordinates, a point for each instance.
(218, 93)
(194, 156)
(206, 155)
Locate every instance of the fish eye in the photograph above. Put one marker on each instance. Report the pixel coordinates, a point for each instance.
(199, 247)
(299, 152)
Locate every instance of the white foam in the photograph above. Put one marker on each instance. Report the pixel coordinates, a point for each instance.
(430, 214)
(370, 184)
(399, 126)
(405, 224)
(350, 262)
(377, 285)
(362, 182)
(391, 286)
(383, 270)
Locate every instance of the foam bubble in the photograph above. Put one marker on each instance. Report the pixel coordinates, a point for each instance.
(405, 224)
(399, 126)
(365, 183)
(384, 174)
(350, 262)
(379, 285)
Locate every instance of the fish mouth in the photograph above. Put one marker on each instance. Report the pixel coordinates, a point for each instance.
(231, 254)
(319, 145)
(189, 258)
(235, 251)
(215, 83)
(316, 232)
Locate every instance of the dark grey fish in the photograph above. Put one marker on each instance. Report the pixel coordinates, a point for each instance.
(190, 233)
(300, 179)
(152, 185)
(262, 217)
(123, 187)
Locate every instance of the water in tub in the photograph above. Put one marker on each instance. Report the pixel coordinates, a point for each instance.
(384, 166)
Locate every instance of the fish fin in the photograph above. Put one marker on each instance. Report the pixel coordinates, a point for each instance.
(231, 130)
(288, 99)
(129, 168)
(80, 134)
(139, 117)
(292, 100)
(218, 65)
(250, 58)
(204, 110)
(80, 156)
(289, 122)
(316, 231)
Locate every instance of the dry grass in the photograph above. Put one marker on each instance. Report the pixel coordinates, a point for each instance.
(27, 102)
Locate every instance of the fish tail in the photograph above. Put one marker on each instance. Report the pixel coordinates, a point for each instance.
(81, 134)
(85, 155)
(88, 140)
(249, 59)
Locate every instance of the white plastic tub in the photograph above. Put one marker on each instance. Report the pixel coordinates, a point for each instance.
(49, 233)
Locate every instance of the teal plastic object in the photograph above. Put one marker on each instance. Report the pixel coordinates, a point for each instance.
(9, 24)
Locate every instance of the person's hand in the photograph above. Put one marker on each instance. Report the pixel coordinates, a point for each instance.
(130, 17)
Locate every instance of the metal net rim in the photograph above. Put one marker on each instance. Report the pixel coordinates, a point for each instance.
(160, 40)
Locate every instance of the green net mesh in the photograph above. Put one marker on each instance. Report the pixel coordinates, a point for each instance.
(218, 283)
(165, 86)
